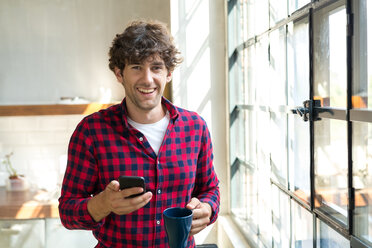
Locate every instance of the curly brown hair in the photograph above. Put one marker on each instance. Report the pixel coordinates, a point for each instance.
(141, 40)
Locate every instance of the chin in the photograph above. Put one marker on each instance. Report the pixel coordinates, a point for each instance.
(148, 107)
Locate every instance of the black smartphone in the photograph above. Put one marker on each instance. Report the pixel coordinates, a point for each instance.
(132, 181)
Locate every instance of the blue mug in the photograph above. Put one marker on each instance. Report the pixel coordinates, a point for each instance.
(177, 223)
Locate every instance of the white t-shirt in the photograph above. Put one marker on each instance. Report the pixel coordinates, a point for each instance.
(153, 132)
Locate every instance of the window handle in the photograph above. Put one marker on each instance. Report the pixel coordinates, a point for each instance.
(306, 112)
(302, 112)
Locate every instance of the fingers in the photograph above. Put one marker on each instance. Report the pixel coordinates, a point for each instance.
(194, 203)
(196, 228)
(128, 205)
(118, 200)
(201, 215)
(199, 223)
(131, 191)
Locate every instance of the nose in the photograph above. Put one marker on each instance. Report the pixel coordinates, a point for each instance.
(147, 75)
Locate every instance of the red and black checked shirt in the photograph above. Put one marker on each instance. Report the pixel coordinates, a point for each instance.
(104, 146)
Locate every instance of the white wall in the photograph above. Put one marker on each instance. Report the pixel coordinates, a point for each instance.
(52, 49)
(199, 84)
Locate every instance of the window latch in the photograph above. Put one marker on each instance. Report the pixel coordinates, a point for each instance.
(306, 112)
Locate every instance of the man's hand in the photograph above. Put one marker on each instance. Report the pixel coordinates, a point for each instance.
(202, 213)
(114, 200)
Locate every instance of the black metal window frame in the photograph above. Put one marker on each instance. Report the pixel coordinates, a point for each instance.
(347, 114)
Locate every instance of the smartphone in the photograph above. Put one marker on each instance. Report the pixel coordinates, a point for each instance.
(132, 181)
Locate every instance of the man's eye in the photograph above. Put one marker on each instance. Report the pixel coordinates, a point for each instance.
(136, 67)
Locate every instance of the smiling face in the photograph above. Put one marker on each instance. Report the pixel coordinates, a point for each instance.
(144, 84)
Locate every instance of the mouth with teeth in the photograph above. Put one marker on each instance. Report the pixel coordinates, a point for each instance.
(146, 90)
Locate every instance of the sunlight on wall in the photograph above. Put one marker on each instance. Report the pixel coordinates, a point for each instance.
(199, 83)
(192, 81)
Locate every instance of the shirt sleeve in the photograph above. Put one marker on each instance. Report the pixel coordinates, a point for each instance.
(79, 183)
(206, 183)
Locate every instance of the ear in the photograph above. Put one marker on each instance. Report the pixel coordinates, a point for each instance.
(169, 76)
(118, 74)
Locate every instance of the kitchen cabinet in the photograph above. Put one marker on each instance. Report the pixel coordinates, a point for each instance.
(22, 233)
(42, 233)
(29, 219)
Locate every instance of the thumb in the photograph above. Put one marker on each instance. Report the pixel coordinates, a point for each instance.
(113, 186)
(193, 203)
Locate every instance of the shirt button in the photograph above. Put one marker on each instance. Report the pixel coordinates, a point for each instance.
(141, 139)
(159, 191)
(158, 222)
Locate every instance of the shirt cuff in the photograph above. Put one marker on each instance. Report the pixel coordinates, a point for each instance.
(85, 219)
(214, 207)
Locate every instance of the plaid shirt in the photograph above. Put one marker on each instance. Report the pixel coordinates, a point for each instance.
(104, 146)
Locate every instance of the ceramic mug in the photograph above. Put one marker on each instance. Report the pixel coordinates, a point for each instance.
(177, 223)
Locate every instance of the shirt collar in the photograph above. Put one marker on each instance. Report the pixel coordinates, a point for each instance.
(173, 112)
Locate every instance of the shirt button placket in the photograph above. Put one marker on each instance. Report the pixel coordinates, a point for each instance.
(141, 139)
(158, 198)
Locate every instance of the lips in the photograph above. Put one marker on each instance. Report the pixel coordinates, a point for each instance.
(146, 90)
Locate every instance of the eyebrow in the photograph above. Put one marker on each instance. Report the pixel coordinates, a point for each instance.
(152, 63)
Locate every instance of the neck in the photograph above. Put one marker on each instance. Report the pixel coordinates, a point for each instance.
(145, 116)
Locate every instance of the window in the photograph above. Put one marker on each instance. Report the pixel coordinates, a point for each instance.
(300, 83)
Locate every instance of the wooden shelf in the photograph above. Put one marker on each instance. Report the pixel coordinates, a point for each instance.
(26, 205)
(54, 109)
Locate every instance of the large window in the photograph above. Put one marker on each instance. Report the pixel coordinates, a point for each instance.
(300, 90)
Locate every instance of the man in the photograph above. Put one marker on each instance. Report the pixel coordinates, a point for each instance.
(143, 136)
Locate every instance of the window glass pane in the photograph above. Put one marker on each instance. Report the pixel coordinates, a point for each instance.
(278, 88)
(296, 4)
(330, 160)
(244, 19)
(250, 10)
(298, 62)
(362, 180)
(278, 147)
(252, 204)
(238, 191)
(298, 92)
(235, 58)
(362, 46)
(261, 15)
(262, 75)
(250, 138)
(329, 238)
(281, 218)
(249, 75)
(263, 165)
(299, 157)
(247, 86)
(236, 85)
(237, 137)
(233, 28)
(263, 140)
(330, 56)
(302, 227)
(278, 11)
